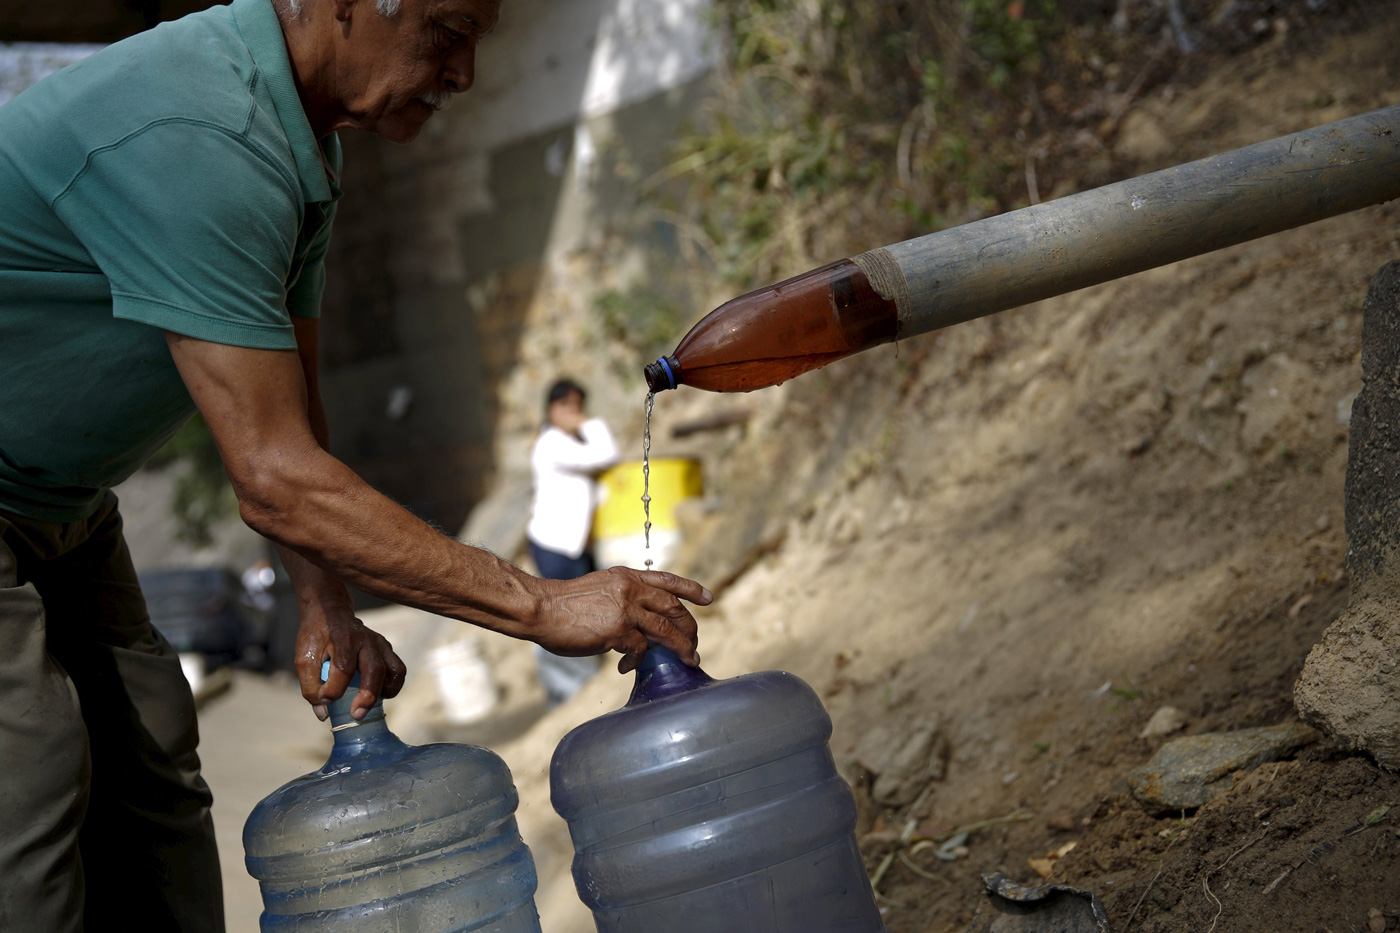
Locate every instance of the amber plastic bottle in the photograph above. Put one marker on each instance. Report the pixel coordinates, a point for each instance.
(772, 334)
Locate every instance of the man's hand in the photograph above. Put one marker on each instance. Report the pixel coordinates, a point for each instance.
(620, 610)
(260, 408)
(334, 632)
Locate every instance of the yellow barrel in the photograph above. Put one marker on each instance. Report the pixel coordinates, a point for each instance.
(617, 522)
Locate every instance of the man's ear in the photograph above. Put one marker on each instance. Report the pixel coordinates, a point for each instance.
(343, 9)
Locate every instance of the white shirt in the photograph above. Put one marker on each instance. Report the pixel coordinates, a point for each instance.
(565, 492)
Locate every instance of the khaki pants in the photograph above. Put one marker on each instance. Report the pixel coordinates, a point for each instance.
(104, 818)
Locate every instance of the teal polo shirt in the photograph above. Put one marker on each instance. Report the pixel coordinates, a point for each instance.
(169, 182)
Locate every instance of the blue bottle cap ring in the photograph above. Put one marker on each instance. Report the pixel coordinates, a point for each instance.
(662, 374)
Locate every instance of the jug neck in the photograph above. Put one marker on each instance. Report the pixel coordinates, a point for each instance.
(355, 738)
(661, 674)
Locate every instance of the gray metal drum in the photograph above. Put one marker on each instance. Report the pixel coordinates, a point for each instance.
(709, 805)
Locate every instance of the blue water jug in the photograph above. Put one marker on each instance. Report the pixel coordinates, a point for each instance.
(707, 805)
(392, 837)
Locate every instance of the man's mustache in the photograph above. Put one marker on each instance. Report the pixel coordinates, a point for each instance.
(437, 99)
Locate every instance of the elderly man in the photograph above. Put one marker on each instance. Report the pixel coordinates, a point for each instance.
(167, 205)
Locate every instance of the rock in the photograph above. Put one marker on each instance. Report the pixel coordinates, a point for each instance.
(1045, 867)
(1187, 772)
(903, 763)
(1165, 721)
(845, 525)
(1349, 686)
(1017, 908)
(876, 844)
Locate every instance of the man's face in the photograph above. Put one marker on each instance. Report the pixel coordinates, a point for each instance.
(393, 73)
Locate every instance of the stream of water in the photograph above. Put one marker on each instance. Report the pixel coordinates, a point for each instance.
(646, 477)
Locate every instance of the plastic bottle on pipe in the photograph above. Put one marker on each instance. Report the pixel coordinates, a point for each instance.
(707, 805)
(770, 335)
(390, 836)
(1013, 259)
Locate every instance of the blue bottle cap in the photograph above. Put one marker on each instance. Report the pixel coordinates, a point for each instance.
(326, 675)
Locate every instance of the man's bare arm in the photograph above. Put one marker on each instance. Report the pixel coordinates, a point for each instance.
(328, 626)
(294, 492)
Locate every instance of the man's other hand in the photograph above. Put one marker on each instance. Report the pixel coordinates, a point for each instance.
(351, 646)
(620, 610)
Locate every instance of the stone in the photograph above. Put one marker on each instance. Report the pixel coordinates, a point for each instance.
(1165, 721)
(1349, 686)
(1018, 908)
(1187, 772)
(903, 763)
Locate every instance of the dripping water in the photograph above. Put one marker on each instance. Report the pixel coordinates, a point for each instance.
(646, 477)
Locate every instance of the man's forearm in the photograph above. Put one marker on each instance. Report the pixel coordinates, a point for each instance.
(323, 512)
(262, 410)
(312, 585)
(316, 589)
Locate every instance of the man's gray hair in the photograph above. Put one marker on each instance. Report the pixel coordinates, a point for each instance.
(292, 8)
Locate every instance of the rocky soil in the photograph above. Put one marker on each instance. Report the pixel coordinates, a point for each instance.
(999, 550)
(1019, 557)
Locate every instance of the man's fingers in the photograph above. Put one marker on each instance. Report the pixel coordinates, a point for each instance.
(668, 612)
(372, 673)
(632, 652)
(345, 655)
(311, 651)
(664, 631)
(669, 607)
(337, 680)
(680, 586)
(397, 672)
(309, 677)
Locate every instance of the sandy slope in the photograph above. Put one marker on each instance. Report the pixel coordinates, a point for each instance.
(1034, 530)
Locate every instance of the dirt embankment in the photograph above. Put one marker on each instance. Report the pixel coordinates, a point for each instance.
(1026, 534)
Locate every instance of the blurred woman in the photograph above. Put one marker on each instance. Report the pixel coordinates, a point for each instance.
(571, 451)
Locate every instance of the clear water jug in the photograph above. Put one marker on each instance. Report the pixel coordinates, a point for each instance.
(392, 837)
(707, 805)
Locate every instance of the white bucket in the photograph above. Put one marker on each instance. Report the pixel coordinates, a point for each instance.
(631, 550)
(465, 684)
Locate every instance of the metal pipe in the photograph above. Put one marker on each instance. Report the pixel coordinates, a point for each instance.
(1013, 259)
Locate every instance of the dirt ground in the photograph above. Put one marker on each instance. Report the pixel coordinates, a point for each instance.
(1029, 533)
(1032, 531)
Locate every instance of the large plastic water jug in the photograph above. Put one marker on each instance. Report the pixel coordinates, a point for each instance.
(392, 837)
(707, 805)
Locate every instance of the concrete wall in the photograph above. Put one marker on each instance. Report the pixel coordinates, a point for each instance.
(512, 209)
(506, 217)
